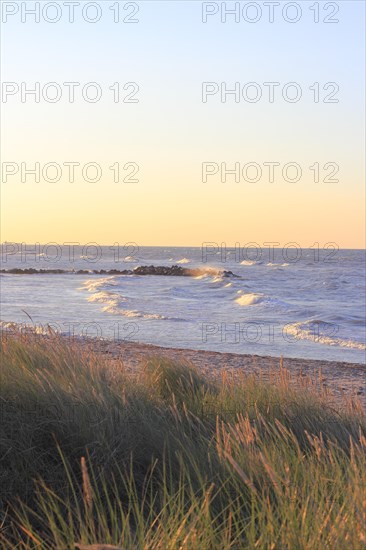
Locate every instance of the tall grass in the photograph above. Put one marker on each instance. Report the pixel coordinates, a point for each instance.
(168, 459)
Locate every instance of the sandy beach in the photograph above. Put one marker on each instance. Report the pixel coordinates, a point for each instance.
(341, 379)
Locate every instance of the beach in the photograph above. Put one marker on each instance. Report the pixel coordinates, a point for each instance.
(340, 379)
(147, 435)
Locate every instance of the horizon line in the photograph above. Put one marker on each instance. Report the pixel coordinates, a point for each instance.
(130, 243)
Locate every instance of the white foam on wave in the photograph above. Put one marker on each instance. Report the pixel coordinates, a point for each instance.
(322, 333)
(93, 284)
(130, 259)
(254, 298)
(112, 301)
(202, 272)
(184, 261)
(213, 275)
(249, 299)
(248, 262)
(134, 313)
(217, 280)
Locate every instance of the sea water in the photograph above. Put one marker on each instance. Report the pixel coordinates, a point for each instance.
(306, 304)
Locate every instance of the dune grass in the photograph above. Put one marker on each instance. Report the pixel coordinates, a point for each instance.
(168, 459)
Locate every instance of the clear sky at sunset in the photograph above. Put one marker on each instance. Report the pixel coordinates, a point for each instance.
(170, 131)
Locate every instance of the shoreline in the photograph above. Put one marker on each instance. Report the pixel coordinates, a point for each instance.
(341, 379)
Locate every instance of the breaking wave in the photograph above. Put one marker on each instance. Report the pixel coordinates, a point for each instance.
(113, 301)
(130, 259)
(134, 313)
(248, 262)
(249, 299)
(92, 285)
(253, 298)
(321, 332)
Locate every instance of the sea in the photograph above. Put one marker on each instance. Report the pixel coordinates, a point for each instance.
(291, 302)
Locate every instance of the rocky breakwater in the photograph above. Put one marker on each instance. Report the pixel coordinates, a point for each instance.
(174, 270)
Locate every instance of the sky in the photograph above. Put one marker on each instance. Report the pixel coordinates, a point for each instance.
(168, 134)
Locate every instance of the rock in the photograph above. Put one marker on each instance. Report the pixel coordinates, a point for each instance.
(174, 270)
